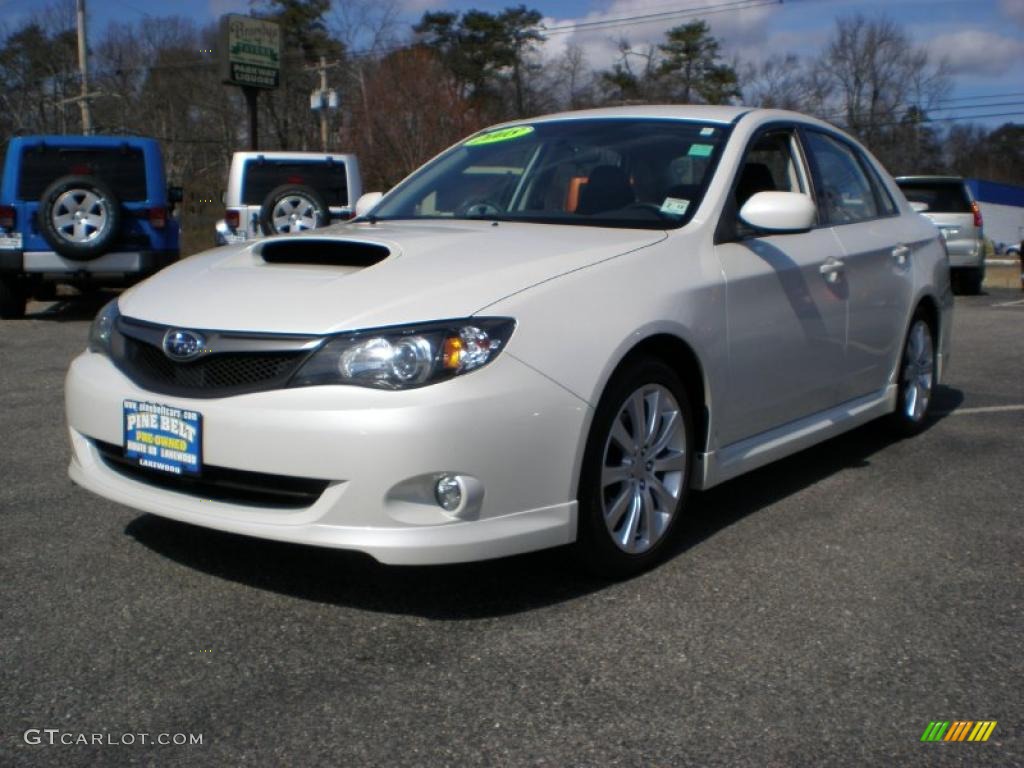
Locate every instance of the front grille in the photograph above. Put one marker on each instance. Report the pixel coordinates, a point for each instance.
(254, 489)
(137, 352)
(215, 375)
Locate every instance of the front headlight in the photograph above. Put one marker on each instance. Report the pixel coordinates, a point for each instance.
(408, 356)
(102, 329)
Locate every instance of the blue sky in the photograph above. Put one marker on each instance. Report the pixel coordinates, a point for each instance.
(982, 41)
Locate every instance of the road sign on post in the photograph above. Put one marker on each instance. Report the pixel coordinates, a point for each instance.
(250, 58)
(251, 51)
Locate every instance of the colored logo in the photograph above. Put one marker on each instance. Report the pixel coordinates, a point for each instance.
(183, 345)
(958, 730)
(503, 134)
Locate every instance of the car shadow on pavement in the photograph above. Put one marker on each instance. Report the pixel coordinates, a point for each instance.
(69, 308)
(495, 587)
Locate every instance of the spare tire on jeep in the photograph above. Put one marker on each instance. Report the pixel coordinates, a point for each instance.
(293, 208)
(80, 217)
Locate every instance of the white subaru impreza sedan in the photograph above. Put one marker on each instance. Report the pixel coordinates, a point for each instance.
(548, 334)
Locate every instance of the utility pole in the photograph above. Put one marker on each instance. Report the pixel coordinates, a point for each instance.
(83, 66)
(323, 109)
(323, 99)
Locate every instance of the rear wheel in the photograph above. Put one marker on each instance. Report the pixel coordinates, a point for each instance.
(916, 378)
(636, 470)
(12, 298)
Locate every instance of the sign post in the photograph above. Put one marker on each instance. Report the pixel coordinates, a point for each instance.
(250, 58)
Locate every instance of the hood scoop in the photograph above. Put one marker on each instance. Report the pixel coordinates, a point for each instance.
(322, 253)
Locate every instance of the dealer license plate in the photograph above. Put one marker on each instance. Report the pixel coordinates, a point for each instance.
(11, 241)
(163, 438)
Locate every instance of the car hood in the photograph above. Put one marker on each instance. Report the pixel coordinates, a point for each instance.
(429, 271)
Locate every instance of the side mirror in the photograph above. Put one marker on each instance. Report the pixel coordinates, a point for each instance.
(175, 195)
(919, 207)
(367, 202)
(779, 212)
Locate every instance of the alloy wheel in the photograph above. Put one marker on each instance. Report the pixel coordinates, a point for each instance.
(643, 471)
(294, 213)
(918, 371)
(79, 215)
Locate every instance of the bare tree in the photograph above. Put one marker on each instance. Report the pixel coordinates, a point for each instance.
(874, 76)
(778, 82)
(407, 122)
(573, 80)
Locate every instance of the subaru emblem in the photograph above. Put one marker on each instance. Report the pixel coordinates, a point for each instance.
(183, 345)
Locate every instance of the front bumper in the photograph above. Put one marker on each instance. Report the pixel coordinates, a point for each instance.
(510, 428)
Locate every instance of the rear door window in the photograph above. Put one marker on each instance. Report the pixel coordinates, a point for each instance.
(123, 169)
(330, 180)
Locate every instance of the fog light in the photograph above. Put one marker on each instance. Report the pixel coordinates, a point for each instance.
(448, 492)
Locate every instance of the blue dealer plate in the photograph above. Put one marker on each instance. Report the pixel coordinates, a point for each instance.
(163, 438)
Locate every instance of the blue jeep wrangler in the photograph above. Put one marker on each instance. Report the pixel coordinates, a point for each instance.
(82, 210)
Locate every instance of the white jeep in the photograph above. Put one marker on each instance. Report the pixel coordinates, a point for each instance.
(272, 193)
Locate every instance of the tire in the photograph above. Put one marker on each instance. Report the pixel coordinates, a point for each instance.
(12, 299)
(916, 380)
(971, 280)
(624, 523)
(80, 217)
(293, 208)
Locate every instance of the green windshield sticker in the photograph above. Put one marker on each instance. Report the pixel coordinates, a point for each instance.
(675, 206)
(700, 150)
(505, 134)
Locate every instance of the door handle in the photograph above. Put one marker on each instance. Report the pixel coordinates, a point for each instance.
(831, 269)
(901, 253)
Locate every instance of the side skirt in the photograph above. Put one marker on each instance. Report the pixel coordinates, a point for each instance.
(716, 467)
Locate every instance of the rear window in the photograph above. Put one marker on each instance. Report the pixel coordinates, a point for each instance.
(939, 196)
(123, 169)
(263, 176)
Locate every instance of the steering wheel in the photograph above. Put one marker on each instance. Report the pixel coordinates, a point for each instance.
(479, 207)
(654, 208)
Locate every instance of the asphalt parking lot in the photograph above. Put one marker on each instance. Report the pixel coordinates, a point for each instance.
(821, 611)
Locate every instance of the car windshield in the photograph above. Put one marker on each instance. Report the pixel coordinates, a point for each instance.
(599, 172)
(939, 196)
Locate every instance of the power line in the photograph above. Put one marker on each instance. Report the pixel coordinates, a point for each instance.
(647, 18)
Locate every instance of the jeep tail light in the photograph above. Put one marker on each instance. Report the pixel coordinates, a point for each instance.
(977, 214)
(231, 218)
(158, 217)
(7, 215)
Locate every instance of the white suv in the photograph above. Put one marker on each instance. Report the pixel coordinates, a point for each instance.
(272, 193)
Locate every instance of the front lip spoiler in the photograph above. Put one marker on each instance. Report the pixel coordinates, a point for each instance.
(256, 489)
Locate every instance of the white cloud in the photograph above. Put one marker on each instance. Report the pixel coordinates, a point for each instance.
(1014, 9)
(735, 28)
(975, 52)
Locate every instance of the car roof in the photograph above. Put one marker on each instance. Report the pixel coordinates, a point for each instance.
(285, 155)
(77, 140)
(707, 113)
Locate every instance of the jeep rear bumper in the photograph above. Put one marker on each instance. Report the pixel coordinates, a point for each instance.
(115, 263)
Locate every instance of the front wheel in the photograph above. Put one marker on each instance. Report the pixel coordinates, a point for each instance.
(916, 378)
(636, 470)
